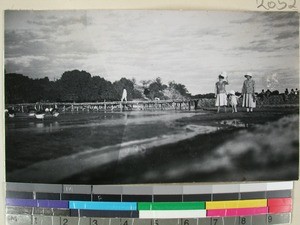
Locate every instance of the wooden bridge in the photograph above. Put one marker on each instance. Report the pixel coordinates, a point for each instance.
(108, 106)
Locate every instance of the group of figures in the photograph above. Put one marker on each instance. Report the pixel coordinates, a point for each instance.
(248, 93)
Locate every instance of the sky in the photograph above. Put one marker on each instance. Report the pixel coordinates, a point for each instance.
(188, 47)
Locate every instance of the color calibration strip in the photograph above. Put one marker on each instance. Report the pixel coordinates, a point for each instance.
(267, 203)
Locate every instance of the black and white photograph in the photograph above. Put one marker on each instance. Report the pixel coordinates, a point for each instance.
(151, 96)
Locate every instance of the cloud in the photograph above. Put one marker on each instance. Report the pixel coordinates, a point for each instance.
(260, 46)
(287, 34)
(61, 20)
(190, 47)
(25, 60)
(275, 19)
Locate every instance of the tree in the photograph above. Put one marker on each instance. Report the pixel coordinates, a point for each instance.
(180, 88)
(121, 84)
(156, 89)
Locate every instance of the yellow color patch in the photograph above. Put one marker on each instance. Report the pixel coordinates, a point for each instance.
(236, 204)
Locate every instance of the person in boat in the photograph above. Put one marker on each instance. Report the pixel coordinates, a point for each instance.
(220, 91)
(54, 112)
(248, 93)
(11, 113)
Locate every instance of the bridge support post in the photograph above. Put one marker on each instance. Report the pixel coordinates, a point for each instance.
(196, 104)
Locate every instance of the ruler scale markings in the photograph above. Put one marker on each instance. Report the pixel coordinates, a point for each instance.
(231, 220)
(254, 219)
(19, 210)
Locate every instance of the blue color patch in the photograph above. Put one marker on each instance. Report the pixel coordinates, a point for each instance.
(120, 206)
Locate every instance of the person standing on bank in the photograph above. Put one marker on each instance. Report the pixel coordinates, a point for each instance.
(220, 91)
(248, 92)
(124, 95)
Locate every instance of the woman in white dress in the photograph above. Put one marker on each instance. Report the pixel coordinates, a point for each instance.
(248, 92)
(220, 91)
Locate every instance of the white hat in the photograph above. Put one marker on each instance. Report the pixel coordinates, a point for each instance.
(223, 74)
(232, 92)
(248, 74)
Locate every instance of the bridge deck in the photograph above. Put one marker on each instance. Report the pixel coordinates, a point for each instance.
(174, 103)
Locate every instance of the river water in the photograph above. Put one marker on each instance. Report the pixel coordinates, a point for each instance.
(127, 147)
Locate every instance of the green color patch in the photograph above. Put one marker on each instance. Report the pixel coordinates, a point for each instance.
(171, 205)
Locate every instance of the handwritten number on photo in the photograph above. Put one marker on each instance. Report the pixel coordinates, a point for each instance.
(278, 4)
(293, 6)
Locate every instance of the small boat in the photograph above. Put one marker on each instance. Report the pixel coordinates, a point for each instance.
(55, 114)
(31, 113)
(40, 116)
(11, 113)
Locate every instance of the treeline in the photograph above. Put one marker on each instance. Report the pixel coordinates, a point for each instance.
(80, 86)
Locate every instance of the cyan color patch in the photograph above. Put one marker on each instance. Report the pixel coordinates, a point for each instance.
(129, 206)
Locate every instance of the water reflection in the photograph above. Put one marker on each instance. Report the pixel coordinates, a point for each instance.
(83, 120)
(44, 126)
(233, 123)
(40, 125)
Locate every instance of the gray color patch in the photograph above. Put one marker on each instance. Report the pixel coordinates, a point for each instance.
(137, 190)
(107, 189)
(77, 189)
